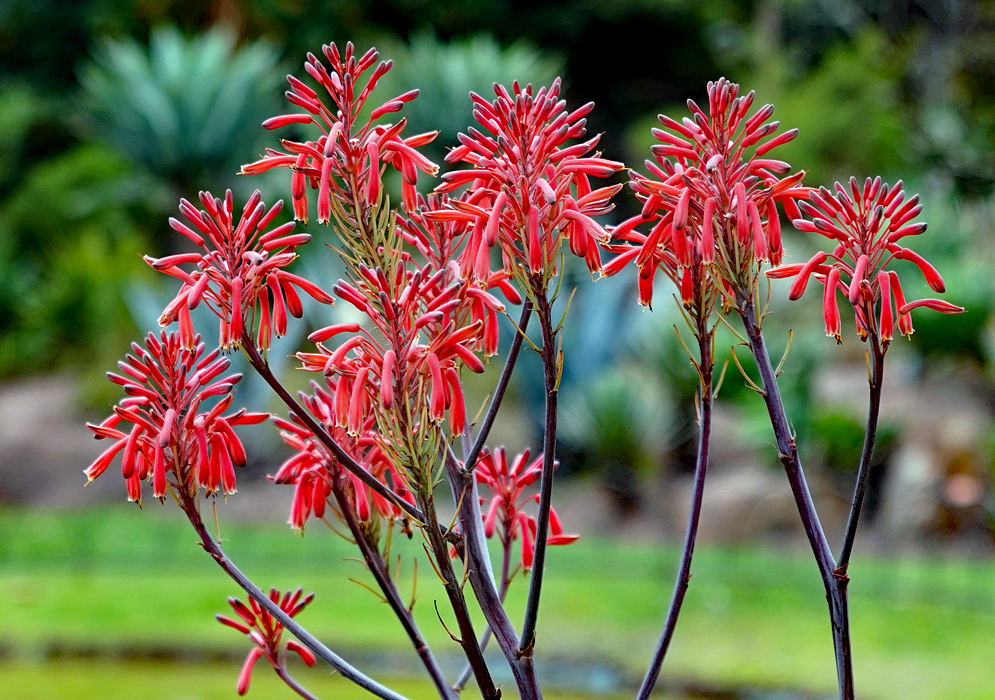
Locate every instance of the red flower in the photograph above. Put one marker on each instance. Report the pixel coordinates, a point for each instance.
(344, 163)
(504, 512)
(240, 274)
(426, 325)
(170, 442)
(266, 632)
(312, 469)
(711, 198)
(866, 224)
(528, 189)
(438, 240)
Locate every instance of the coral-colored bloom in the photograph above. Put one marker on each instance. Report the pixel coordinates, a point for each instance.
(240, 275)
(439, 234)
(866, 224)
(266, 632)
(504, 511)
(710, 200)
(425, 325)
(312, 469)
(528, 190)
(345, 163)
(171, 443)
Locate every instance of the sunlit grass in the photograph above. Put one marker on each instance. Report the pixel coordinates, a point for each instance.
(102, 581)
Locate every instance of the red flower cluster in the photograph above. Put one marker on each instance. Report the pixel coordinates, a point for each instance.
(266, 632)
(505, 507)
(425, 334)
(344, 163)
(438, 241)
(170, 442)
(528, 190)
(711, 197)
(312, 469)
(240, 274)
(866, 223)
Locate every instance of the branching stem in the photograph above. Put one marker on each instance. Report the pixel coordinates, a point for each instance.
(486, 636)
(378, 567)
(482, 580)
(835, 582)
(468, 636)
(189, 506)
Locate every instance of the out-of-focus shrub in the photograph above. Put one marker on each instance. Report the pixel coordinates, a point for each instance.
(856, 83)
(615, 425)
(68, 242)
(188, 109)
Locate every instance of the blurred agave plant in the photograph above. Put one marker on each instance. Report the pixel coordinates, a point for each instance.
(188, 109)
(446, 72)
(612, 423)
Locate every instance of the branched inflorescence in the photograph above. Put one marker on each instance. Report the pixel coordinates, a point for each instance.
(377, 429)
(867, 224)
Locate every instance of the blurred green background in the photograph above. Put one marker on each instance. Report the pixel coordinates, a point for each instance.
(110, 111)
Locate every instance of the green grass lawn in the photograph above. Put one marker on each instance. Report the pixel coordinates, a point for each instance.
(109, 581)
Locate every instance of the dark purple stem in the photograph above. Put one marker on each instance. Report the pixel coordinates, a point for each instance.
(835, 581)
(189, 507)
(468, 636)
(478, 566)
(281, 671)
(486, 636)
(550, 366)
(684, 571)
(501, 388)
(873, 409)
(378, 567)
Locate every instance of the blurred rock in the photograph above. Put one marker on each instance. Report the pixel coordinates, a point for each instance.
(44, 446)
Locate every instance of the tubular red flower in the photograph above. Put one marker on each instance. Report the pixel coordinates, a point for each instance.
(721, 196)
(266, 632)
(865, 222)
(312, 469)
(531, 189)
(240, 270)
(345, 160)
(169, 434)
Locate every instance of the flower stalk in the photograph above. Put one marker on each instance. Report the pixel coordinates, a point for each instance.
(706, 341)
(213, 548)
(835, 582)
(481, 579)
(875, 379)
(551, 372)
